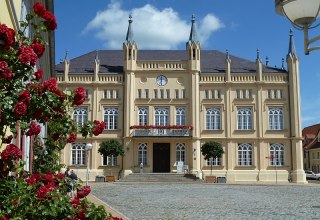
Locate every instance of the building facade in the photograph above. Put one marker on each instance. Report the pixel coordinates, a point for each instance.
(163, 105)
(311, 147)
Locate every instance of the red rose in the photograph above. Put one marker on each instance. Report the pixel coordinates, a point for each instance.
(72, 138)
(37, 114)
(7, 37)
(83, 192)
(24, 96)
(27, 56)
(60, 94)
(60, 176)
(20, 108)
(38, 74)
(98, 127)
(34, 179)
(75, 202)
(5, 73)
(79, 96)
(12, 152)
(51, 85)
(7, 140)
(50, 22)
(43, 192)
(39, 9)
(82, 215)
(38, 48)
(34, 129)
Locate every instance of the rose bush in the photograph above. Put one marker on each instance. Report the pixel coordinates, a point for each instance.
(29, 104)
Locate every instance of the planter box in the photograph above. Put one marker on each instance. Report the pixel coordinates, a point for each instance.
(211, 179)
(110, 178)
(99, 179)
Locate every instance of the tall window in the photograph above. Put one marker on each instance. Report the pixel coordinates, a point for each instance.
(245, 155)
(147, 93)
(180, 116)
(143, 116)
(139, 94)
(213, 119)
(111, 118)
(110, 160)
(177, 93)
(80, 115)
(181, 152)
(155, 92)
(214, 162)
(168, 93)
(244, 118)
(142, 153)
(161, 116)
(276, 155)
(78, 154)
(275, 118)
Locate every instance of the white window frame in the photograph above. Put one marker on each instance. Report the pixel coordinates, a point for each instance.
(215, 162)
(245, 154)
(143, 116)
(181, 152)
(213, 119)
(161, 116)
(78, 154)
(142, 153)
(244, 118)
(180, 116)
(111, 118)
(276, 157)
(111, 160)
(80, 115)
(276, 118)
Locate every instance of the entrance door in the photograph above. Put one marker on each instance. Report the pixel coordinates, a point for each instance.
(161, 157)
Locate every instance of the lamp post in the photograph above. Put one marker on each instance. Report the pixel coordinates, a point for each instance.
(87, 148)
(302, 14)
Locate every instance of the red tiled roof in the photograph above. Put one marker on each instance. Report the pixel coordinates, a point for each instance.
(311, 130)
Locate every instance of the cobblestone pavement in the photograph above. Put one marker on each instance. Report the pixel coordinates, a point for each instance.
(211, 201)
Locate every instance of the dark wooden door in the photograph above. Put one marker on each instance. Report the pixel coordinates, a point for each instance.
(161, 157)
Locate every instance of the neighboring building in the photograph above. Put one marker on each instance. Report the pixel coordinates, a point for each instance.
(311, 147)
(164, 104)
(13, 11)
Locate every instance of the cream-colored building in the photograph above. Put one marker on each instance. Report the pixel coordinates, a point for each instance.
(162, 105)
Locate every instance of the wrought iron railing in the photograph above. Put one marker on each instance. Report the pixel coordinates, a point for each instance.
(163, 131)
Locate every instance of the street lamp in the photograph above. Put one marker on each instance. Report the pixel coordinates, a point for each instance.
(87, 148)
(302, 14)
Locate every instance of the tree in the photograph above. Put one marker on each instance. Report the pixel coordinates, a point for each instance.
(112, 147)
(213, 150)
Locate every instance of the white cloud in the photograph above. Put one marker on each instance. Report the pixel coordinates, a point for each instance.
(152, 28)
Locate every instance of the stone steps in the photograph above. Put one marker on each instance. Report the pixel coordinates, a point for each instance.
(161, 177)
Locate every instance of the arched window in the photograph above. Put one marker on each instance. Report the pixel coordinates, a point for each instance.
(80, 115)
(143, 116)
(180, 116)
(214, 162)
(109, 160)
(276, 119)
(244, 118)
(142, 153)
(245, 155)
(78, 154)
(180, 152)
(213, 119)
(276, 155)
(161, 116)
(111, 118)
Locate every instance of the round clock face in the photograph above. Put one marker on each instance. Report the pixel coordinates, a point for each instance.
(162, 80)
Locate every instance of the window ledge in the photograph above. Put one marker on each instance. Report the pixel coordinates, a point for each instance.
(213, 167)
(244, 167)
(276, 131)
(245, 131)
(107, 166)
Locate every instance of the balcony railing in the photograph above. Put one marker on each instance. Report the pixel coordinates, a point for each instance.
(161, 131)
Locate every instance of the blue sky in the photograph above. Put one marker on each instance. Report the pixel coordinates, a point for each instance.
(239, 26)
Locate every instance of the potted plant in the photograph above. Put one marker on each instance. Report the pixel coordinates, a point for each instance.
(209, 150)
(111, 148)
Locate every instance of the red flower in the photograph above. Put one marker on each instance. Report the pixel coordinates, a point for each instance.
(39, 9)
(82, 215)
(75, 202)
(38, 74)
(7, 140)
(4, 217)
(43, 192)
(34, 129)
(12, 152)
(56, 136)
(27, 56)
(48, 177)
(61, 94)
(83, 192)
(60, 176)
(79, 96)
(50, 22)
(37, 114)
(24, 96)
(98, 127)
(38, 48)
(5, 73)
(51, 85)
(34, 179)
(72, 138)
(7, 37)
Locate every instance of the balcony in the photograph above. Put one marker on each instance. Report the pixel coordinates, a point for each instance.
(161, 131)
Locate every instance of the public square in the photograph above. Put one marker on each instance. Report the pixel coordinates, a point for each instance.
(210, 201)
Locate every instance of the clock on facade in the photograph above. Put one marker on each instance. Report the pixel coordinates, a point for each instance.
(162, 80)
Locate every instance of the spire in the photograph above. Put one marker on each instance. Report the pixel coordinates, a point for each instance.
(282, 66)
(129, 37)
(97, 56)
(227, 56)
(267, 61)
(66, 56)
(258, 56)
(292, 48)
(193, 32)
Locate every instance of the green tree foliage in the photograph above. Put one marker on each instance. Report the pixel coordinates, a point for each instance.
(212, 149)
(112, 147)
